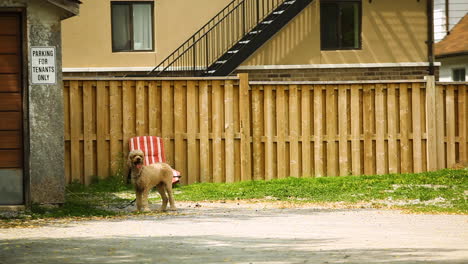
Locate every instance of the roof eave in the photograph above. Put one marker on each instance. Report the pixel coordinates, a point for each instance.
(72, 7)
(452, 54)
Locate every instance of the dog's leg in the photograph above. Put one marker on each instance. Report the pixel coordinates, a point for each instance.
(164, 199)
(168, 187)
(138, 200)
(144, 199)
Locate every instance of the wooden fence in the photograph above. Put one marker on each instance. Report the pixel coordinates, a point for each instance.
(227, 130)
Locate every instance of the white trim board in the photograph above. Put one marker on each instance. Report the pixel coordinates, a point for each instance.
(107, 69)
(263, 67)
(331, 82)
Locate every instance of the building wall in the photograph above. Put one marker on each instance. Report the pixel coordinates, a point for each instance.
(87, 40)
(448, 64)
(393, 31)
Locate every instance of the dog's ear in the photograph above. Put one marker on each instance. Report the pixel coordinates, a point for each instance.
(129, 160)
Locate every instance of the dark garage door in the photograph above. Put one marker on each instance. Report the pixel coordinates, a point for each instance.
(11, 116)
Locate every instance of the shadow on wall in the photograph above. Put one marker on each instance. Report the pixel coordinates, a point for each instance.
(298, 41)
(388, 35)
(201, 249)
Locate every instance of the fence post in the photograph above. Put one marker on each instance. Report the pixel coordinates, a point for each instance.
(431, 127)
(244, 126)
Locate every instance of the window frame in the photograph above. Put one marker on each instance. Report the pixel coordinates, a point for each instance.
(132, 41)
(359, 2)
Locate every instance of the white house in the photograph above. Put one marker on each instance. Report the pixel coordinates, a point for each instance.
(451, 37)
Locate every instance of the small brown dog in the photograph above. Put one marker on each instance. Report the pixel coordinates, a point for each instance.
(146, 177)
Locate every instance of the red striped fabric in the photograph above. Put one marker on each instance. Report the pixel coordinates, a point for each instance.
(153, 147)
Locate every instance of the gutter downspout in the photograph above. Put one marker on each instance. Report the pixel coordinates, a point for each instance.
(430, 35)
(447, 18)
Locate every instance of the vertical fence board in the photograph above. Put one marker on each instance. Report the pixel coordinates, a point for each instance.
(330, 118)
(343, 130)
(355, 131)
(128, 106)
(305, 127)
(229, 121)
(367, 124)
(153, 109)
(268, 116)
(115, 122)
(417, 144)
(179, 121)
(450, 125)
(440, 126)
(217, 130)
(66, 119)
(204, 130)
(193, 174)
(431, 124)
(392, 130)
(294, 127)
(404, 128)
(244, 107)
(102, 111)
(380, 130)
(257, 133)
(318, 131)
(462, 122)
(75, 131)
(140, 108)
(167, 118)
(281, 131)
(88, 161)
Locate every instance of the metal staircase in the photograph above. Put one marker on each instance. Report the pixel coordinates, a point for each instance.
(229, 38)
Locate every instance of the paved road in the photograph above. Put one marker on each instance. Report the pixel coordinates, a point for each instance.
(246, 233)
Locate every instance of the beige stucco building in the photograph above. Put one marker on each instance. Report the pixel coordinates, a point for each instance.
(391, 40)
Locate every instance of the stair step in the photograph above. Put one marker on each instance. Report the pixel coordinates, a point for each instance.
(232, 51)
(244, 42)
(290, 2)
(254, 32)
(267, 22)
(278, 12)
(221, 62)
(212, 71)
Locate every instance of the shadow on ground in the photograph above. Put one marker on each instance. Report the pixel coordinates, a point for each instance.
(205, 249)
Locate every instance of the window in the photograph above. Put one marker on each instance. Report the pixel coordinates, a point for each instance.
(132, 26)
(458, 75)
(340, 24)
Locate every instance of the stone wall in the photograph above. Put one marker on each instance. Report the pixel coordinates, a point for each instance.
(46, 157)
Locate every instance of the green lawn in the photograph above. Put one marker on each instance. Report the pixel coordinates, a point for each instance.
(440, 191)
(443, 191)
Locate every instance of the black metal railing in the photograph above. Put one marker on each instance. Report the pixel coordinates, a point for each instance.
(203, 48)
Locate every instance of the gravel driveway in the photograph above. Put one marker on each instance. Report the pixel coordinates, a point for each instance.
(246, 233)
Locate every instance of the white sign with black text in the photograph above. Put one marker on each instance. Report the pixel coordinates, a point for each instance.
(43, 66)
